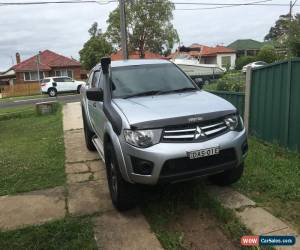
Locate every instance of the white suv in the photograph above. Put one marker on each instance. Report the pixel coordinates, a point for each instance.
(54, 85)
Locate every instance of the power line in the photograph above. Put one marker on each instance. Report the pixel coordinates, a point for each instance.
(55, 2)
(221, 6)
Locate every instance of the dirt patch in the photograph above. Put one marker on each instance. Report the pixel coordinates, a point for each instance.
(200, 230)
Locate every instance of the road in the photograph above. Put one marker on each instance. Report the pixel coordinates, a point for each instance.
(18, 103)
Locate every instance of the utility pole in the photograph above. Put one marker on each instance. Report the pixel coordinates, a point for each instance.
(291, 9)
(38, 66)
(123, 29)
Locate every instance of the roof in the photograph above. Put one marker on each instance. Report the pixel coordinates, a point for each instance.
(205, 51)
(122, 63)
(210, 51)
(48, 59)
(135, 55)
(244, 44)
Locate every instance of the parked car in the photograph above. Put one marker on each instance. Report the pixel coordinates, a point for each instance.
(151, 125)
(54, 85)
(254, 65)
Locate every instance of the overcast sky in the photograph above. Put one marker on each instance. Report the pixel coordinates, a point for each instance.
(64, 28)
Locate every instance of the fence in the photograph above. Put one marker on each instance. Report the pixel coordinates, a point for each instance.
(274, 110)
(237, 99)
(275, 104)
(20, 89)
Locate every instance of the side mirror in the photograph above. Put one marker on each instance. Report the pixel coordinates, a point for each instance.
(94, 94)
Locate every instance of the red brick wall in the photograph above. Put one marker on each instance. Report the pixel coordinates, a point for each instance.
(76, 75)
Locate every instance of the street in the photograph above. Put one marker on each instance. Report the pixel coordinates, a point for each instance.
(18, 103)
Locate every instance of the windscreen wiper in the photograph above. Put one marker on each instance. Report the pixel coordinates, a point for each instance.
(179, 90)
(146, 93)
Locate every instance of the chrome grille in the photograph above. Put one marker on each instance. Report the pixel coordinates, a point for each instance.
(194, 132)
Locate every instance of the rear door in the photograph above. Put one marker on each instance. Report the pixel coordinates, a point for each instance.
(59, 84)
(70, 84)
(92, 105)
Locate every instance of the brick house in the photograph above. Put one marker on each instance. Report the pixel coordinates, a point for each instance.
(135, 55)
(220, 55)
(47, 63)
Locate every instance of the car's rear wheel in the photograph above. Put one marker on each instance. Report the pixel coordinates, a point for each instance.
(88, 134)
(78, 89)
(123, 194)
(52, 92)
(228, 177)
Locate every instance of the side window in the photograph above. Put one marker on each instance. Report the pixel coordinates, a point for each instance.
(57, 79)
(96, 78)
(100, 84)
(90, 79)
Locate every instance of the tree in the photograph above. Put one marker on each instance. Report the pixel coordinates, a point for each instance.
(149, 26)
(244, 60)
(280, 30)
(293, 40)
(95, 48)
(267, 54)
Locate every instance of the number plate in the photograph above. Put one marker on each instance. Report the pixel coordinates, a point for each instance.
(203, 152)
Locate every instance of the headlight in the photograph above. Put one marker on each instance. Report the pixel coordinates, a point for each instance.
(234, 122)
(142, 138)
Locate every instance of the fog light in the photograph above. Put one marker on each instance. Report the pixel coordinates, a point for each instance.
(141, 166)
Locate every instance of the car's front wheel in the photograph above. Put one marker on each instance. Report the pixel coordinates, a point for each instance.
(228, 177)
(52, 92)
(123, 194)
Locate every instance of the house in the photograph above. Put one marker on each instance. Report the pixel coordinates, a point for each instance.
(246, 47)
(47, 63)
(135, 55)
(220, 55)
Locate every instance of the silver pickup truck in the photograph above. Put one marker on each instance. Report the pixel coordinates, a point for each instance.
(151, 124)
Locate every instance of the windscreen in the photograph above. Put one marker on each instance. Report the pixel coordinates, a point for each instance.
(132, 80)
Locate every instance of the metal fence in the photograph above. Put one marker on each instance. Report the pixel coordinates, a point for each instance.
(237, 99)
(275, 103)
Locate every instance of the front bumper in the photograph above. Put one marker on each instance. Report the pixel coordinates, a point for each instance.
(162, 153)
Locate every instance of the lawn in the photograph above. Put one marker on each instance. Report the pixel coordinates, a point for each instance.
(31, 149)
(272, 179)
(70, 233)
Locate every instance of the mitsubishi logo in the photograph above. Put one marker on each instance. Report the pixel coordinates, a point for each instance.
(198, 133)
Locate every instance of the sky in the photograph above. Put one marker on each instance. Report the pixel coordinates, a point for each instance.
(63, 28)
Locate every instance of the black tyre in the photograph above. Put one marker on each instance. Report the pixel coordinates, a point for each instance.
(52, 92)
(228, 177)
(78, 89)
(123, 194)
(88, 134)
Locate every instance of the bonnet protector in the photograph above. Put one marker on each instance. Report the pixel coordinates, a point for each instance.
(183, 120)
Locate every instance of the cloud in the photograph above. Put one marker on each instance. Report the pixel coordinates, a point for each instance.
(64, 28)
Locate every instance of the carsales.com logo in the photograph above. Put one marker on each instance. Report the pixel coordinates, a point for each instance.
(254, 240)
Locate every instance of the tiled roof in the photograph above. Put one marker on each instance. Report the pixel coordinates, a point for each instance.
(48, 59)
(243, 44)
(210, 51)
(135, 55)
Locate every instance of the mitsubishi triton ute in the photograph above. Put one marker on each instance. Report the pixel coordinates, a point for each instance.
(152, 125)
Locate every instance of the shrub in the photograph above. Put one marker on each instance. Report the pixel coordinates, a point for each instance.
(244, 60)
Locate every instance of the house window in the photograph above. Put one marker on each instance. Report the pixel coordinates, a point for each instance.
(33, 76)
(64, 72)
(226, 61)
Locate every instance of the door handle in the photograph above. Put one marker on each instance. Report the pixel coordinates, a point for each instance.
(94, 104)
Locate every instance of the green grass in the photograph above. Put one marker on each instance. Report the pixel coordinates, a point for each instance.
(19, 112)
(32, 151)
(272, 179)
(70, 233)
(16, 98)
(170, 204)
